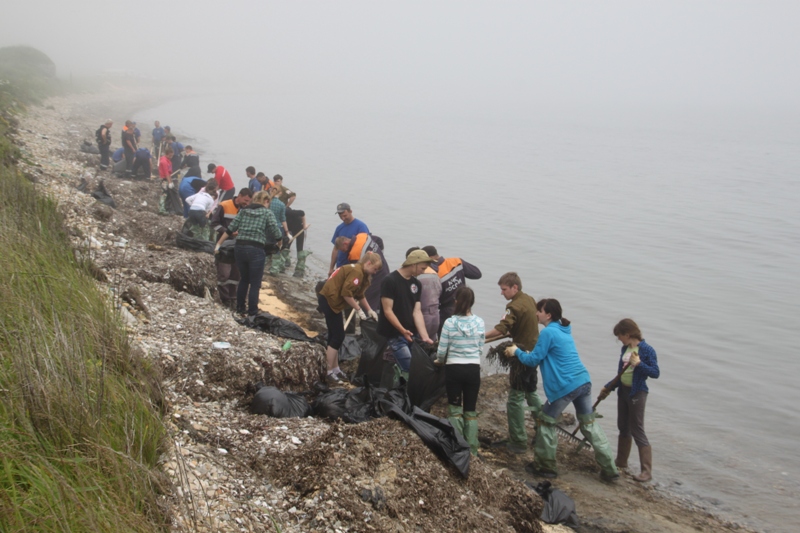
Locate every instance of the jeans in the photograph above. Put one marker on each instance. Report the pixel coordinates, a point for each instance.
(580, 397)
(250, 261)
(401, 350)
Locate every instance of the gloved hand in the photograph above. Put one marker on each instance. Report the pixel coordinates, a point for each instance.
(604, 392)
(361, 314)
(373, 315)
(170, 185)
(216, 249)
(438, 362)
(511, 350)
(634, 362)
(288, 237)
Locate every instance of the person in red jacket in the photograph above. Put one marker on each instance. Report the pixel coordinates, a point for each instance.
(224, 180)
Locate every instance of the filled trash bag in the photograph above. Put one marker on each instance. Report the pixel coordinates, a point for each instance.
(438, 434)
(360, 404)
(372, 346)
(190, 243)
(558, 507)
(278, 404)
(89, 148)
(173, 204)
(350, 349)
(101, 194)
(226, 252)
(279, 327)
(426, 381)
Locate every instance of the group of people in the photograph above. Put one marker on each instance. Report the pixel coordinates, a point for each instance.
(427, 298)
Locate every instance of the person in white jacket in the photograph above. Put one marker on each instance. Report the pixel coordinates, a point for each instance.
(460, 348)
(200, 207)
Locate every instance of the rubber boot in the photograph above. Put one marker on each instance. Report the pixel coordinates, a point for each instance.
(455, 416)
(300, 267)
(602, 449)
(287, 259)
(544, 449)
(515, 410)
(398, 373)
(646, 458)
(471, 431)
(623, 451)
(276, 264)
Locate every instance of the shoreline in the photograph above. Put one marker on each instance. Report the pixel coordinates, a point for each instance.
(205, 404)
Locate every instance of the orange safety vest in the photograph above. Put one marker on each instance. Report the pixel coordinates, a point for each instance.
(229, 209)
(451, 274)
(360, 247)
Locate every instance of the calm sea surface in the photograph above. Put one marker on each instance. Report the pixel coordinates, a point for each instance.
(685, 220)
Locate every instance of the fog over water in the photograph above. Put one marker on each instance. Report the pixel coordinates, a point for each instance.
(628, 158)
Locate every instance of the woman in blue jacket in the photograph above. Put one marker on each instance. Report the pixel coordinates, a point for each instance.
(565, 381)
(637, 362)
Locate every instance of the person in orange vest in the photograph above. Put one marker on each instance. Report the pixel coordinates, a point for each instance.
(453, 273)
(356, 248)
(227, 274)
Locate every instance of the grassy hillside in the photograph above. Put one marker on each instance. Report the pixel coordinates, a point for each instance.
(80, 420)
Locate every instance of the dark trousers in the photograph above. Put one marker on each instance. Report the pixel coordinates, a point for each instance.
(250, 261)
(463, 382)
(128, 160)
(227, 282)
(334, 322)
(294, 221)
(105, 154)
(143, 164)
(227, 195)
(630, 415)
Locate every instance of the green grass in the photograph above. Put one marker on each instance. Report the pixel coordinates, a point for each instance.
(80, 413)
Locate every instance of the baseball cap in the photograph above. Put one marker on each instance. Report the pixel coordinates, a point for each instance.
(416, 257)
(342, 207)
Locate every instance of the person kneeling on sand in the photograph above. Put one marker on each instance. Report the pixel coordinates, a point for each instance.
(200, 207)
(346, 286)
(566, 381)
(258, 230)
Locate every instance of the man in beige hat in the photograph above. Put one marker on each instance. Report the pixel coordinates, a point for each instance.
(401, 312)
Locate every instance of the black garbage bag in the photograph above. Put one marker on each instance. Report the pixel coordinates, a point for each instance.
(372, 347)
(280, 327)
(101, 194)
(190, 243)
(89, 148)
(226, 252)
(426, 381)
(350, 349)
(173, 203)
(360, 404)
(558, 507)
(278, 404)
(438, 434)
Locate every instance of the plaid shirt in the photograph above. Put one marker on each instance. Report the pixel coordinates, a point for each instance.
(278, 209)
(255, 223)
(647, 368)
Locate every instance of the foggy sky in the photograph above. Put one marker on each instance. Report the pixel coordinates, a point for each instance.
(433, 53)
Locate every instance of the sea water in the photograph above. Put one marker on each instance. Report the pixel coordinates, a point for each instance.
(684, 219)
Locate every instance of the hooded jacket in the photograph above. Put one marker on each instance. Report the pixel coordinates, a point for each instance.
(558, 360)
(461, 342)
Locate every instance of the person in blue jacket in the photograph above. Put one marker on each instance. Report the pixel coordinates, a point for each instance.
(566, 381)
(637, 362)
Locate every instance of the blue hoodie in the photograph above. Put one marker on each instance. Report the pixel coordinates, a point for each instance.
(558, 360)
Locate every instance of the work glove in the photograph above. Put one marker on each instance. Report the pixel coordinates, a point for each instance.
(373, 315)
(438, 362)
(511, 350)
(604, 392)
(216, 249)
(634, 361)
(288, 237)
(361, 314)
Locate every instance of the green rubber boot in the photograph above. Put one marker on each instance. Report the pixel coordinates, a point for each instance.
(276, 264)
(455, 416)
(300, 267)
(287, 259)
(515, 410)
(544, 450)
(471, 431)
(602, 450)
